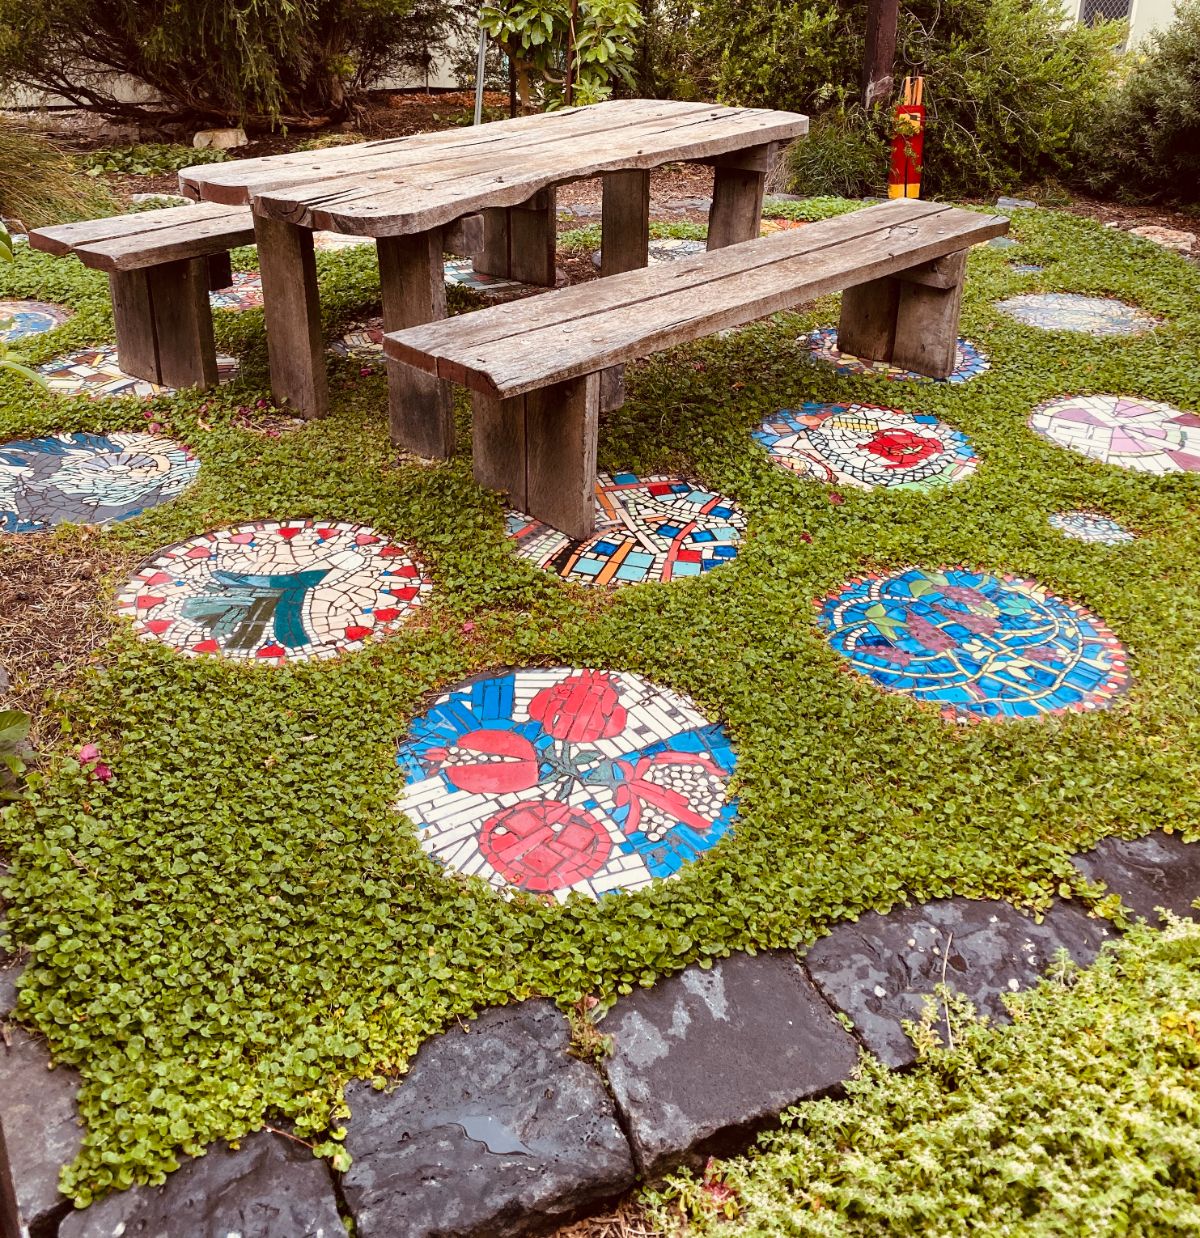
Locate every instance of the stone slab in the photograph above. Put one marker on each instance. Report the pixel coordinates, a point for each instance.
(271, 1187)
(39, 1132)
(1016, 204)
(704, 1058)
(494, 1131)
(1159, 870)
(878, 969)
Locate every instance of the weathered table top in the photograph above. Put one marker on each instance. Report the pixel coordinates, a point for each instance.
(406, 185)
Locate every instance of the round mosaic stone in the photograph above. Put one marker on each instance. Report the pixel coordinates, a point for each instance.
(244, 293)
(866, 446)
(461, 271)
(1027, 268)
(647, 529)
(1070, 311)
(19, 319)
(969, 360)
(1143, 435)
(97, 372)
(1093, 527)
(88, 478)
(977, 645)
(333, 241)
(360, 339)
(562, 779)
(275, 591)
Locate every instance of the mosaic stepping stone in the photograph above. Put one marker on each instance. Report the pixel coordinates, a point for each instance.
(360, 339)
(331, 242)
(977, 645)
(97, 372)
(1027, 268)
(1093, 527)
(668, 249)
(866, 446)
(1143, 435)
(244, 293)
(88, 478)
(647, 529)
(20, 319)
(969, 360)
(557, 780)
(461, 271)
(1070, 311)
(275, 591)
(1003, 242)
(771, 226)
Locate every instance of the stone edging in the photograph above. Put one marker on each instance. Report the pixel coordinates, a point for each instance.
(498, 1131)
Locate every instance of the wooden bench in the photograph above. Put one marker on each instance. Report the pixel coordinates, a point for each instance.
(541, 370)
(161, 266)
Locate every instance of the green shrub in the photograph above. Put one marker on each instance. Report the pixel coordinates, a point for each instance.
(845, 155)
(41, 185)
(1146, 143)
(1009, 86)
(148, 159)
(1080, 1118)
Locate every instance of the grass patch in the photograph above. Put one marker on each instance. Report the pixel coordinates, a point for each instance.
(239, 921)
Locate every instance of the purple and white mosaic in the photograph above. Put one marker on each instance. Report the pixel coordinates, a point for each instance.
(1145, 436)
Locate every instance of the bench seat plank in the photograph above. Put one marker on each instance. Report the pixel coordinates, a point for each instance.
(511, 349)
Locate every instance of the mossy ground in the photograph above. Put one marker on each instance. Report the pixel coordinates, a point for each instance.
(239, 921)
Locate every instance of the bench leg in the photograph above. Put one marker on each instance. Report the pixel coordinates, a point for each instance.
(541, 449)
(909, 320)
(292, 308)
(624, 246)
(414, 292)
(164, 323)
(519, 241)
(220, 271)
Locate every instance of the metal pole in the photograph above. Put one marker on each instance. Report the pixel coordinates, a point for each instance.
(479, 72)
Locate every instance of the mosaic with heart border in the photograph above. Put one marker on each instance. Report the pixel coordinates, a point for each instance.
(565, 779)
(975, 644)
(21, 319)
(647, 529)
(969, 360)
(275, 591)
(867, 446)
(88, 478)
(1145, 436)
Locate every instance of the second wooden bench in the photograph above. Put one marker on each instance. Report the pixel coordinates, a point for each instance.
(540, 370)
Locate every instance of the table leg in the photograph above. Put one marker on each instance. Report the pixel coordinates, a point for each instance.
(519, 241)
(414, 292)
(739, 181)
(624, 246)
(292, 308)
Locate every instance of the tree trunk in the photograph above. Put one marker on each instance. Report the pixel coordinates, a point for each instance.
(879, 62)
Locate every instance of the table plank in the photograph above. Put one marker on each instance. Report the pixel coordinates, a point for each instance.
(417, 197)
(556, 337)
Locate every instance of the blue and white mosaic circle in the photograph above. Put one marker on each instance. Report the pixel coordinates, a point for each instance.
(969, 360)
(1093, 527)
(1070, 311)
(974, 644)
(647, 529)
(866, 446)
(88, 478)
(20, 319)
(562, 780)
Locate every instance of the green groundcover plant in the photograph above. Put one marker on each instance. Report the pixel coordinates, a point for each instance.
(238, 920)
(1081, 1118)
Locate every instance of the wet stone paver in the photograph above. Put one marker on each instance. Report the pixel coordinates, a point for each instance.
(880, 968)
(1070, 311)
(566, 779)
(821, 346)
(1159, 870)
(647, 529)
(866, 446)
(494, 1132)
(703, 1058)
(275, 591)
(88, 478)
(1144, 436)
(974, 644)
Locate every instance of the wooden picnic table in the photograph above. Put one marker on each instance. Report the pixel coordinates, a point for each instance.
(407, 192)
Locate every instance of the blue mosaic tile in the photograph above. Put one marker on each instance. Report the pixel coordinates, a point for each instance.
(1070, 311)
(559, 780)
(969, 360)
(1092, 527)
(974, 644)
(20, 319)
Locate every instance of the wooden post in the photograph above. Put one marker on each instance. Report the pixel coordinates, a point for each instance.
(739, 181)
(292, 306)
(187, 355)
(414, 292)
(518, 241)
(561, 431)
(868, 324)
(879, 62)
(927, 316)
(220, 271)
(498, 445)
(133, 314)
(625, 226)
(492, 259)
